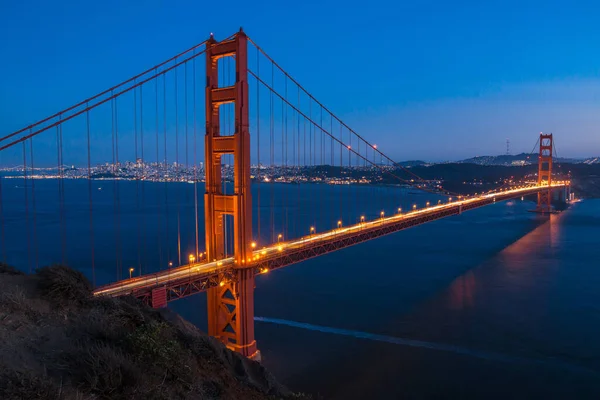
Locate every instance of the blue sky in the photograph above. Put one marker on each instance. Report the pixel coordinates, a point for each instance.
(432, 80)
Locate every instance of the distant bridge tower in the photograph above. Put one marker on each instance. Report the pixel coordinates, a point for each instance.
(230, 305)
(545, 173)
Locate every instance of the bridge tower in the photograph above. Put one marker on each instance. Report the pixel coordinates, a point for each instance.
(544, 204)
(231, 305)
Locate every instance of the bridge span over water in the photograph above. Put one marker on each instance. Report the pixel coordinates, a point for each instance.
(146, 129)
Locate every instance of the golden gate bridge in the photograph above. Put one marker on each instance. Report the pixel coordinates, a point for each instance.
(155, 117)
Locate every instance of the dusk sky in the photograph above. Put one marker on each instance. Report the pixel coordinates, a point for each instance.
(431, 80)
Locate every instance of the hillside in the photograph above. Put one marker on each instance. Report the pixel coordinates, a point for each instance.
(523, 159)
(59, 342)
(459, 177)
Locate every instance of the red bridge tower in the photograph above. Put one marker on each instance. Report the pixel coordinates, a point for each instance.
(545, 173)
(230, 306)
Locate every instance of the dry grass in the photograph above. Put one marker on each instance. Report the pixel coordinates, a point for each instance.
(63, 285)
(63, 343)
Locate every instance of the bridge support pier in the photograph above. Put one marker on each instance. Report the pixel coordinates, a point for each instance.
(231, 304)
(231, 314)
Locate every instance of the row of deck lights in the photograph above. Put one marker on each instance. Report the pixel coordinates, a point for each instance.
(192, 258)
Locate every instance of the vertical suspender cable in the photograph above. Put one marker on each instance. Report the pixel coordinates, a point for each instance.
(35, 244)
(185, 105)
(114, 163)
(284, 154)
(61, 189)
(26, 207)
(258, 170)
(166, 172)
(223, 183)
(90, 199)
(310, 156)
(143, 163)
(60, 202)
(298, 169)
(177, 170)
(331, 145)
(137, 181)
(195, 159)
(156, 128)
(272, 156)
(118, 192)
(322, 186)
(341, 165)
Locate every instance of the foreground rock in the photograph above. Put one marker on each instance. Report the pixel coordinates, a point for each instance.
(59, 342)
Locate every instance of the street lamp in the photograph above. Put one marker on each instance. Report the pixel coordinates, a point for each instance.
(279, 237)
(414, 206)
(427, 204)
(399, 210)
(381, 214)
(362, 218)
(339, 224)
(130, 272)
(312, 230)
(192, 258)
(253, 245)
(170, 263)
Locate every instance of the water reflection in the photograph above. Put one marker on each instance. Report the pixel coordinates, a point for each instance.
(520, 255)
(461, 292)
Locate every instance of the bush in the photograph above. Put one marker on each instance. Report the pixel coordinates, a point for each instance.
(19, 385)
(102, 370)
(14, 299)
(10, 270)
(64, 285)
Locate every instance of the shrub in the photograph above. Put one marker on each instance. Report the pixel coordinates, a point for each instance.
(10, 270)
(102, 370)
(63, 284)
(14, 299)
(19, 385)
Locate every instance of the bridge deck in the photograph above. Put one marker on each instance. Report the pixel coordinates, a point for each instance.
(193, 278)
